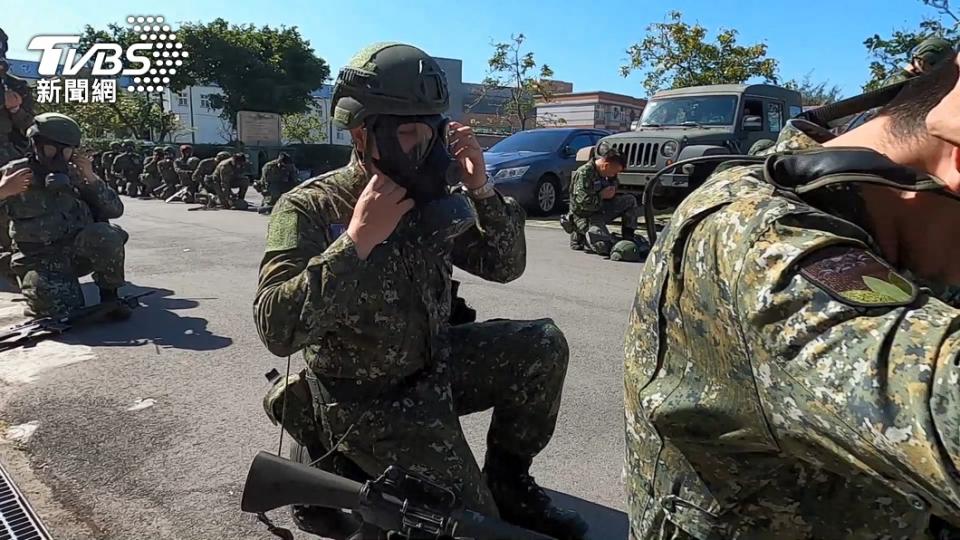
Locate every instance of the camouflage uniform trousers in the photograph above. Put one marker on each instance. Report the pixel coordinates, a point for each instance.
(515, 367)
(150, 183)
(50, 274)
(226, 195)
(594, 226)
(134, 187)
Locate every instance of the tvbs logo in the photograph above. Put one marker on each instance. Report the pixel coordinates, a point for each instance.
(157, 44)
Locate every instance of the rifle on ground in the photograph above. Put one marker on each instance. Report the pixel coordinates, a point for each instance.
(39, 329)
(398, 502)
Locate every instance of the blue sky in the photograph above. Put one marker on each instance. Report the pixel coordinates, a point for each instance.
(582, 44)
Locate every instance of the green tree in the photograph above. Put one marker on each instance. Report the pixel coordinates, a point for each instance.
(516, 77)
(305, 128)
(821, 93)
(891, 54)
(675, 54)
(258, 69)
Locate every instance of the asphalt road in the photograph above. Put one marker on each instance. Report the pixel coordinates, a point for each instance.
(145, 429)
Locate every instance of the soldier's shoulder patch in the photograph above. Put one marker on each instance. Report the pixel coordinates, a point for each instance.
(283, 232)
(857, 277)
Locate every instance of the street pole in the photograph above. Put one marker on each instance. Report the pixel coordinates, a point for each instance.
(193, 121)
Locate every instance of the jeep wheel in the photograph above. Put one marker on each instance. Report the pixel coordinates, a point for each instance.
(547, 194)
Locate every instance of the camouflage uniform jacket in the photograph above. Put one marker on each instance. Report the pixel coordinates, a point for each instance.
(167, 172)
(226, 173)
(18, 122)
(127, 165)
(585, 189)
(376, 320)
(761, 405)
(46, 216)
(180, 164)
(204, 168)
(275, 172)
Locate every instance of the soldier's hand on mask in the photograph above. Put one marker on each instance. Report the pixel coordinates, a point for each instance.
(12, 100)
(608, 192)
(943, 121)
(85, 165)
(377, 213)
(15, 183)
(466, 150)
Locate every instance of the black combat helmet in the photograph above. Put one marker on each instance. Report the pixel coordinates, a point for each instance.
(388, 78)
(129, 146)
(933, 50)
(57, 128)
(115, 147)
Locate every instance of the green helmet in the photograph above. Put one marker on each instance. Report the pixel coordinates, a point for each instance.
(388, 78)
(223, 155)
(115, 147)
(168, 151)
(628, 251)
(129, 146)
(193, 161)
(933, 50)
(56, 127)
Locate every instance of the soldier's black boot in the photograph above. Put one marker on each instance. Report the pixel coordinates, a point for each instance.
(525, 504)
(628, 233)
(122, 312)
(566, 223)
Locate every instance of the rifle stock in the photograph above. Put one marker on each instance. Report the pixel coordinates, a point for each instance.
(274, 482)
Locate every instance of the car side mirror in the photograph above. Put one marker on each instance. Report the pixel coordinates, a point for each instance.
(752, 123)
(568, 151)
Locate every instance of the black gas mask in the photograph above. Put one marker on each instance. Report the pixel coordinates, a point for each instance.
(414, 154)
(54, 159)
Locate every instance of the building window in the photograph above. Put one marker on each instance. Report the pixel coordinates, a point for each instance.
(182, 99)
(774, 117)
(205, 101)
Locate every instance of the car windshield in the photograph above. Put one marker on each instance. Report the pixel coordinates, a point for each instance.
(531, 141)
(700, 111)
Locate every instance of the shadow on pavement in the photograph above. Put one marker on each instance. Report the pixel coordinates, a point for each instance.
(154, 322)
(605, 523)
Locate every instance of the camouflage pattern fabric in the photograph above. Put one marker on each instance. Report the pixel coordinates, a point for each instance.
(585, 186)
(764, 400)
(204, 169)
(106, 165)
(127, 167)
(169, 177)
(226, 177)
(150, 178)
(278, 178)
(391, 362)
(13, 129)
(62, 235)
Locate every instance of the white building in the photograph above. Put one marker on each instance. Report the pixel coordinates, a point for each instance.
(202, 124)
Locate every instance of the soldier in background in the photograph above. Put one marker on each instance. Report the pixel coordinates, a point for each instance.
(168, 174)
(16, 115)
(229, 175)
(186, 152)
(106, 165)
(203, 175)
(150, 177)
(278, 177)
(595, 203)
(127, 168)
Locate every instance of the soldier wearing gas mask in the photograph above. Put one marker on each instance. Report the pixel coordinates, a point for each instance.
(59, 211)
(357, 274)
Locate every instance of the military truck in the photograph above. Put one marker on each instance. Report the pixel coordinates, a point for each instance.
(700, 121)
